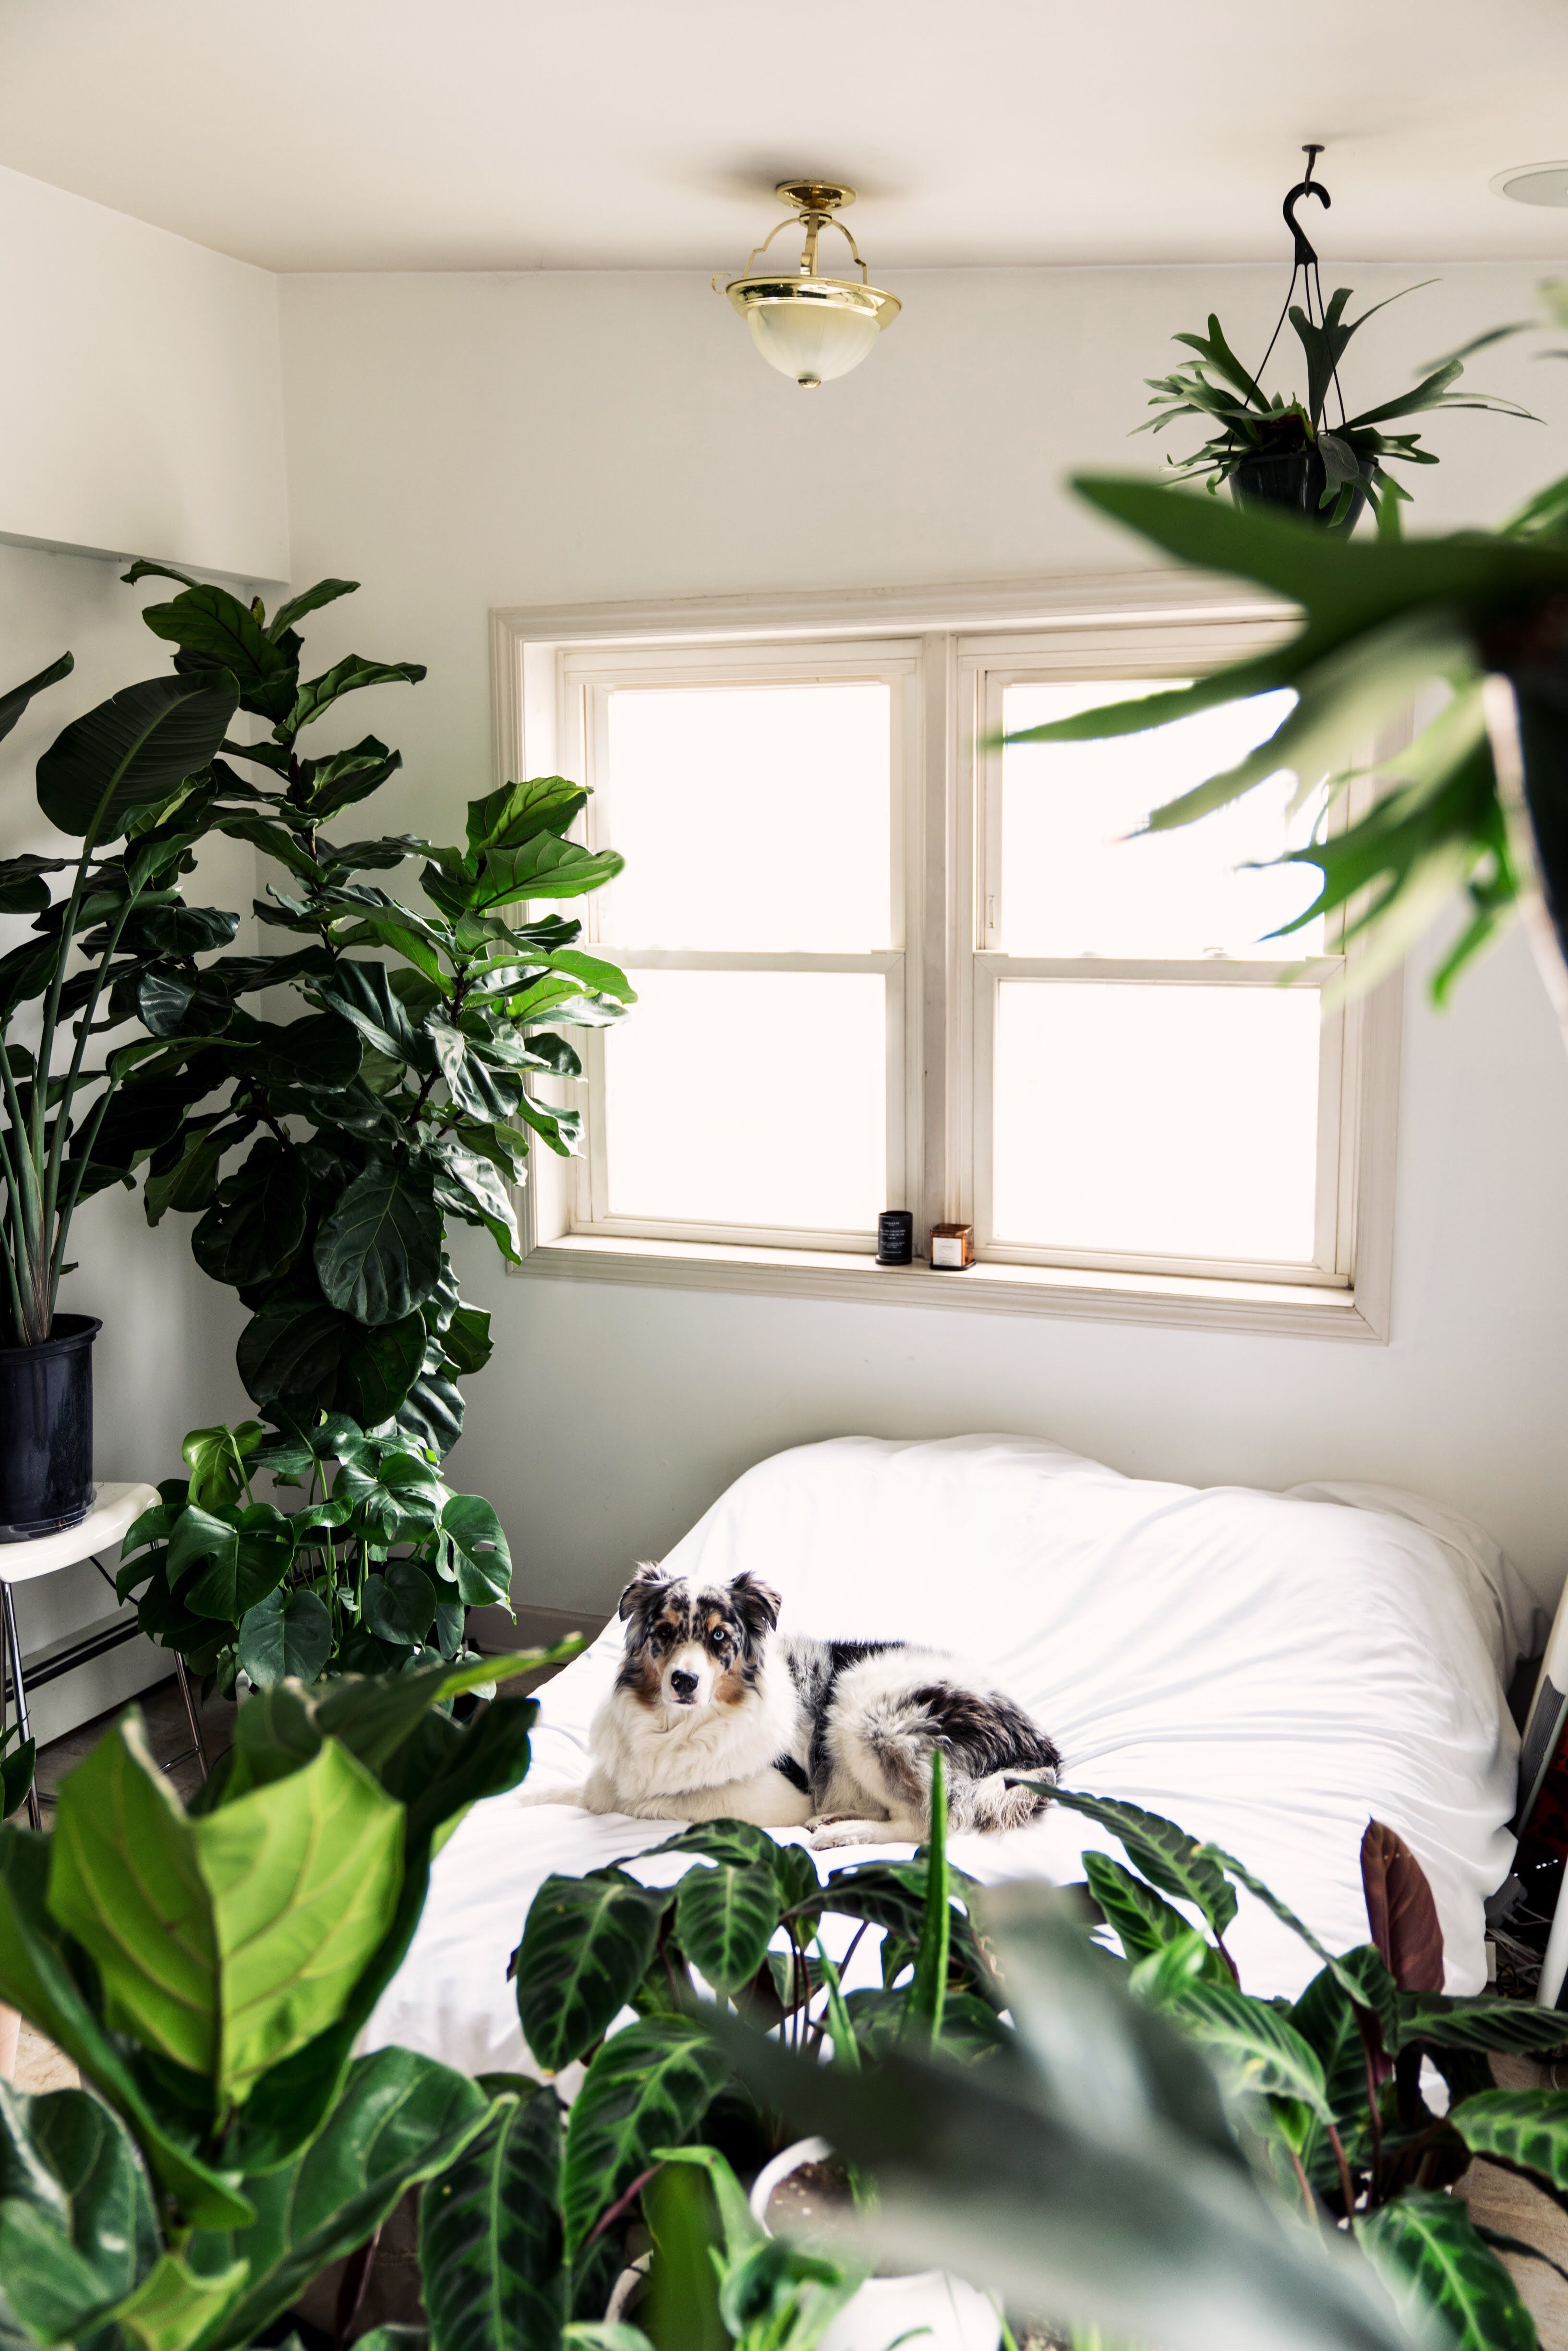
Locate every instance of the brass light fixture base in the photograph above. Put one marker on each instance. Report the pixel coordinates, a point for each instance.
(814, 195)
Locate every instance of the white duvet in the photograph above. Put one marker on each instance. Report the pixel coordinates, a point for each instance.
(1269, 1670)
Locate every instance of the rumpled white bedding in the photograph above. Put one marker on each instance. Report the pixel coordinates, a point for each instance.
(1269, 1670)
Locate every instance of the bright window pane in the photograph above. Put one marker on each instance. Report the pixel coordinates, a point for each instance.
(750, 1098)
(1164, 1122)
(1073, 882)
(751, 816)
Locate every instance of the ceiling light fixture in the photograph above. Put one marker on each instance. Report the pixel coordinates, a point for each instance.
(810, 326)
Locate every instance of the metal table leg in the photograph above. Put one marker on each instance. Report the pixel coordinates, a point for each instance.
(13, 1642)
(191, 1715)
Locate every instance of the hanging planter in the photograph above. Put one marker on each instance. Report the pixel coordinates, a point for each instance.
(1305, 456)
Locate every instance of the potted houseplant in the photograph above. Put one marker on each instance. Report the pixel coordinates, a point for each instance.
(1284, 452)
(117, 782)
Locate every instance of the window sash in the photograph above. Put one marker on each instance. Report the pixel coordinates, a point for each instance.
(987, 673)
(586, 683)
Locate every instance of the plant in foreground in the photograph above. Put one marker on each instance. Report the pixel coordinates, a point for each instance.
(208, 1971)
(374, 1573)
(1128, 2158)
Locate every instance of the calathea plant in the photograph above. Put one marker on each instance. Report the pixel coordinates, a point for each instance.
(116, 780)
(1133, 2159)
(400, 1097)
(208, 1971)
(374, 1576)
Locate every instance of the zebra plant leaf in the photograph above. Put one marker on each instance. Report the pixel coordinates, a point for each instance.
(647, 2087)
(1169, 1857)
(585, 1948)
(1527, 2128)
(489, 2235)
(725, 1918)
(1427, 2253)
(1251, 2046)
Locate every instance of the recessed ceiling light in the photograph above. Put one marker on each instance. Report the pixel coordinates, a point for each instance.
(1532, 183)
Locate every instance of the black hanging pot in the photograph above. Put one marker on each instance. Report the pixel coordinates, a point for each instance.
(1296, 482)
(45, 1431)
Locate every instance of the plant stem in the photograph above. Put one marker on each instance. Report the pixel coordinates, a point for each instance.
(1308, 2198)
(1346, 2185)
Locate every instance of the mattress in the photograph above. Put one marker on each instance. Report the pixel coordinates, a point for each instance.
(1271, 1671)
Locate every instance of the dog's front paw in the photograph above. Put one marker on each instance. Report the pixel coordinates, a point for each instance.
(826, 1833)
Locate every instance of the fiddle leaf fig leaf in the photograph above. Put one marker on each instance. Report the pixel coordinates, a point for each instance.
(378, 1255)
(226, 1942)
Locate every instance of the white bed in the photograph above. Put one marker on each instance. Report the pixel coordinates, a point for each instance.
(1269, 1670)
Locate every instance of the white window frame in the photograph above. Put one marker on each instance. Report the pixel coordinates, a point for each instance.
(585, 677)
(948, 651)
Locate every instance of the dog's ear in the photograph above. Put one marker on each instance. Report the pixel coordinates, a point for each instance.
(756, 1603)
(642, 1583)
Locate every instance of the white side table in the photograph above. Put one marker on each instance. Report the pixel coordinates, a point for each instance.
(116, 1509)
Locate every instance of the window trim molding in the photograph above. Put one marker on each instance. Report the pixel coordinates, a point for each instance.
(525, 643)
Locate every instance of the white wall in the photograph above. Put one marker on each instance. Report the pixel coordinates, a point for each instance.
(139, 402)
(141, 411)
(458, 443)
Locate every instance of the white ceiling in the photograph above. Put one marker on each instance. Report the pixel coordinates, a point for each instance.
(594, 134)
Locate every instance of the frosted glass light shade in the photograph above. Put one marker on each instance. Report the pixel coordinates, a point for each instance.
(813, 328)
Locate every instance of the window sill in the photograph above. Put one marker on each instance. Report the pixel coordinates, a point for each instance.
(1166, 1300)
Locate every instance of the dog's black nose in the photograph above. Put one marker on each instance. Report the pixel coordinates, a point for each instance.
(683, 1684)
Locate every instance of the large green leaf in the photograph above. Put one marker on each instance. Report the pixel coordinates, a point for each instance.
(928, 1985)
(348, 676)
(1143, 1923)
(725, 1918)
(176, 2306)
(489, 2235)
(1254, 2048)
(259, 1221)
(400, 2119)
(1168, 1856)
(479, 1549)
(543, 867)
(1460, 2022)
(586, 1947)
(378, 1255)
(1527, 2128)
(76, 2223)
(15, 700)
(209, 621)
(647, 2087)
(286, 1636)
(379, 1367)
(225, 1943)
(132, 752)
(37, 1976)
(309, 599)
(1426, 2249)
(363, 993)
(290, 1352)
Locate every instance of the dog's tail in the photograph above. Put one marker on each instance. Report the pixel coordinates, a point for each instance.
(983, 1735)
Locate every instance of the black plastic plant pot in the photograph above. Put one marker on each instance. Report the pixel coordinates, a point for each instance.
(45, 1431)
(1294, 481)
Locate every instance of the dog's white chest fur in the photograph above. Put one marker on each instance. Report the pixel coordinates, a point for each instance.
(662, 1761)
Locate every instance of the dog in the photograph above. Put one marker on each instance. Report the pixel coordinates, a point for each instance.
(716, 1714)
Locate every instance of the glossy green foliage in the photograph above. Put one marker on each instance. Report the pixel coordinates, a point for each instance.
(374, 1574)
(490, 2232)
(209, 1970)
(325, 1156)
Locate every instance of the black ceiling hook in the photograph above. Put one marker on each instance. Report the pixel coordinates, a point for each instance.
(1305, 255)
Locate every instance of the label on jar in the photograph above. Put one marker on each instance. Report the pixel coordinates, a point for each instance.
(948, 1249)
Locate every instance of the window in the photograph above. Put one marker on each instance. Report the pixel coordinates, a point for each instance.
(883, 963)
